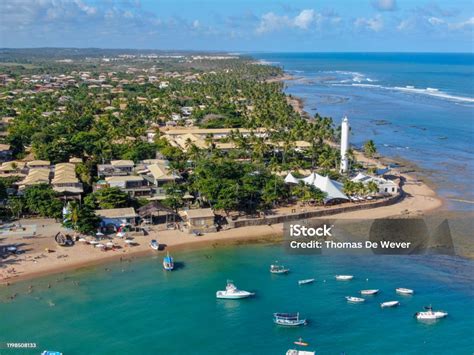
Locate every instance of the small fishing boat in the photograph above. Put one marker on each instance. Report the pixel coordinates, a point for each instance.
(288, 319)
(278, 269)
(300, 342)
(352, 299)
(49, 352)
(304, 282)
(168, 263)
(404, 291)
(299, 352)
(232, 292)
(344, 277)
(154, 244)
(369, 292)
(429, 314)
(389, 304)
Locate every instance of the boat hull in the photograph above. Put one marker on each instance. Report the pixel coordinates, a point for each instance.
(344, 277)
(369, 292)
(404, 291)
(304, 282)
(390, 304)
(222, 295)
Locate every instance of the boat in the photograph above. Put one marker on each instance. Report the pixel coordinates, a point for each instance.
(352, 299)
(278, 269)
(168, 263)
(288, 319)
(300, 342)
(404, 291)
(389, 304)
(304, 282)
(429, 314)
(299, 352)
(369, 292)
(344, 277)
(154, 244)
(49, 352)
(232, 292)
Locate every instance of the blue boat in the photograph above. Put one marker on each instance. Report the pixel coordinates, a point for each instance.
(47, 352)
(168, 263)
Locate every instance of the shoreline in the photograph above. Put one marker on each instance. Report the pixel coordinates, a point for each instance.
(420, 198)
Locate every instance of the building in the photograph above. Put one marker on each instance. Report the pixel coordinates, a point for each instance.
(135, 186)
(200, 220)
(115, 217)
(65, 180)
(344, 145)
(5, 152)
(385, 186)
(115, 168)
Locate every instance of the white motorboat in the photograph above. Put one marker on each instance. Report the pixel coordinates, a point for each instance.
(304, 282)
(389, 304)
(233, 293)
(369, 292)
(154, 244)
(300, 352)
(404, 291)
(278, 269)
(429, 314)
(352, 299)
(288, 319)
(344, 277)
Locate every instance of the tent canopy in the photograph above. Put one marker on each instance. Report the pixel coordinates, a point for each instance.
(333, 189)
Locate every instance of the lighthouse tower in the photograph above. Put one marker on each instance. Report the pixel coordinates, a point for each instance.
(344, 145)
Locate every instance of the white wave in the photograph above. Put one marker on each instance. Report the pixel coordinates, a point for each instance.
(434, 93)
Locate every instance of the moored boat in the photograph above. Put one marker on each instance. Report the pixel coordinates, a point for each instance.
(232, 292)
(404, 291)
(389, 304)
(299, 352)
(352, 299)
(429, 314)
(344, 277)
(304, 282)
(278, 269)
(288, 319)
(168, 263)
(369, 292)
(300, 342)
(154, 244)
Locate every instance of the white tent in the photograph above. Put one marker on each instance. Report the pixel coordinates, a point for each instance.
(290, 179)
(333, 189)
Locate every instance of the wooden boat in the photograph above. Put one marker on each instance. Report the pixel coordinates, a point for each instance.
(344, 277)
(168, 263)
(404, 291)
(389, 304)
(154, 244)
(300, 342)
(369, 292)
(278, 269)
(288, 319)
(352, 299)
(304, 282)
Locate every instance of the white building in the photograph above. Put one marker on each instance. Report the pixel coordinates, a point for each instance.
(384, 185)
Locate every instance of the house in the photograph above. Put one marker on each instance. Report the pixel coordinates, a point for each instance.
(38, 164)
(115, 168)
(35, 177)
(65, 180)
(135, 186)
(385, 186)
(115, 217)
(199, 220)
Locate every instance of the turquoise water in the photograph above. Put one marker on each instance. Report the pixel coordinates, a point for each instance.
(425, 100)
(137, 308)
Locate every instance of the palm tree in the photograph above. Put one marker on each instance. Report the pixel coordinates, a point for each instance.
(370, 148)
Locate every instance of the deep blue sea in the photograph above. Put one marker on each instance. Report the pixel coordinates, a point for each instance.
(418, 107)
(137, 308)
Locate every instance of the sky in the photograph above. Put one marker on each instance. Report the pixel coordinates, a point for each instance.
(241, 25)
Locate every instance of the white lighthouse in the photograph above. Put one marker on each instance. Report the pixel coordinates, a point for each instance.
(344, 145)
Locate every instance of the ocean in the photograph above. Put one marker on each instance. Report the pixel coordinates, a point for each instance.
(137, 308)
(415, 106)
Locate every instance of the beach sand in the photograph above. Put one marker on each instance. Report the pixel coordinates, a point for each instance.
(35, 262)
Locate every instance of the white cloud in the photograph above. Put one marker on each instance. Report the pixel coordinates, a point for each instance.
(436, 21)
(304, 19)
(385, 5)
(463, 24)
(375, 23)
(270, 21)
(196, 24)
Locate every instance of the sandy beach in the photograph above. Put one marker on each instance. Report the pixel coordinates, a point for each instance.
(36, 261)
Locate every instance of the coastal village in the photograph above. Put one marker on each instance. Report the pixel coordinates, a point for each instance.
(110, 151)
